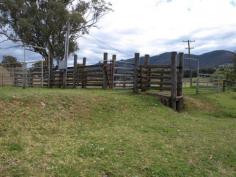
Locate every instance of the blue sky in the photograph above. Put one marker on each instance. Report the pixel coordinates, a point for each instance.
(155, 26)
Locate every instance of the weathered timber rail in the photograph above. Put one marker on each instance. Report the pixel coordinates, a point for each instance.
(165, 81)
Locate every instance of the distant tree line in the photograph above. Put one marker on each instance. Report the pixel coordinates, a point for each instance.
(10, 61)
(228, 71)
(202, 71)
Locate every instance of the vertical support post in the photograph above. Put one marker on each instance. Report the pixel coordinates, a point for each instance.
(24, 75)
(191, 76)
(75, 71)
(149, 76)
(180, 74)
(50, 72)
(42, 73)
(2, 78)
(65, 77)
(105, 74)
(67, 43)
(14, 76)
(136, 65)
(197, 86)
(145, 73)
(24, 83)
(84, 75)
(218, 84)
(113, 71)
(162, 79)
(141, 76)
(60, 79)
(173, 80)
(224, 85)
(198, 78)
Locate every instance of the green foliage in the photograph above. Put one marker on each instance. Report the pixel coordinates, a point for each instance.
(15, 147)
(228, 71)
(39, 64)
(43, 23)
(10, 61)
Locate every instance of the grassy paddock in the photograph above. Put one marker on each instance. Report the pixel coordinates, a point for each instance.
(95, 133)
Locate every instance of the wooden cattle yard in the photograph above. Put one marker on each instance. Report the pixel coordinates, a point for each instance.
(165, 81)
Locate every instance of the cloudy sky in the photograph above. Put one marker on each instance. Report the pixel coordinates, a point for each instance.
(156, 26)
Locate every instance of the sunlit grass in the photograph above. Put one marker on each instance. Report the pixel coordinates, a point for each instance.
(55, 132)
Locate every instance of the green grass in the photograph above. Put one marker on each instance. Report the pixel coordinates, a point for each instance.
(96, 133)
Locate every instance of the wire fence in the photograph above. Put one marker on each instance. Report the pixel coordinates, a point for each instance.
(210, 83)
(20, 74)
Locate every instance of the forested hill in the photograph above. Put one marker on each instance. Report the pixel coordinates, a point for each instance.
(207, 60)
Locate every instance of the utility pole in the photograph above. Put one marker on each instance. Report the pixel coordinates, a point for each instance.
(25, 70)
(67, 41)
(189, 48)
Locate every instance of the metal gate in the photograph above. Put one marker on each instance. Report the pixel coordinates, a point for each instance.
(123, 75)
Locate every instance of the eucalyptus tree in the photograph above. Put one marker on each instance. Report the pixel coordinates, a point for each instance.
(42, 24)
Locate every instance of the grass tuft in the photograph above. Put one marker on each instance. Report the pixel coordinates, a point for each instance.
(14, 147)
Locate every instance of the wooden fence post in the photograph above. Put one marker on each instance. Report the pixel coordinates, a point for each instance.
(60, 79)
(65, 75)
(136, 65)
(24, 75)
(197, 86)
(162, 79)
(50, 70)
(145, 74)
(224, 86)
(42, 74)
(140, 76)
(105, 76)
(180, 74)
(173, 80)
(75, 72)
(2, 78)
(84, 76)
(113, 71)
(149, 74)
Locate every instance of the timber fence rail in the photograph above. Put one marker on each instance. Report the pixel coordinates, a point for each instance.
(166, 80)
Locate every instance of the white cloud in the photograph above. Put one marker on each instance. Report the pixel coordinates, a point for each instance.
(152, 25)
(156, 26)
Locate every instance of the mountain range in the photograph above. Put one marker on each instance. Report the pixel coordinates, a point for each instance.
(207, 60)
